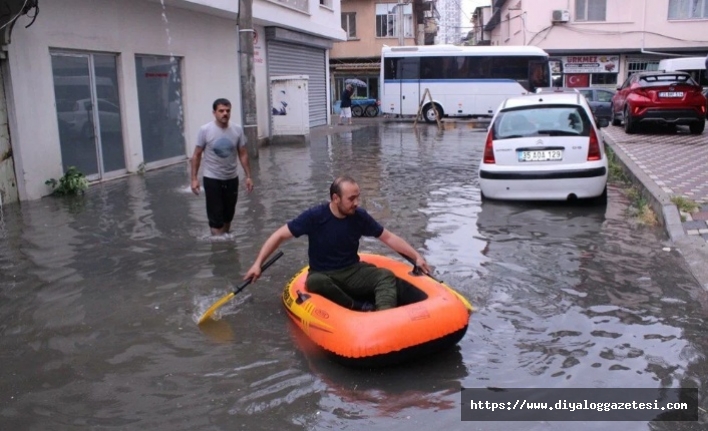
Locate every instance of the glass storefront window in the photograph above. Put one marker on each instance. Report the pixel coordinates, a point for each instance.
(160, 104)
(88, 112)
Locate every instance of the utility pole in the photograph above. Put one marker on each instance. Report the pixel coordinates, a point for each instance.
(248, 79)
(401, 39)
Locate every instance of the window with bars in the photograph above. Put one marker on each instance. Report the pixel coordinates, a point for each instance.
(387, 24)
(688, 9)
(349, 24)
(590, 10)
(640, 65)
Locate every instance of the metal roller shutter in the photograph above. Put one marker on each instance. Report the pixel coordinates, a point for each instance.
(291, 59)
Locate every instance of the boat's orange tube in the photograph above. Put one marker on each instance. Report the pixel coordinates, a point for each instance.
(385, 336)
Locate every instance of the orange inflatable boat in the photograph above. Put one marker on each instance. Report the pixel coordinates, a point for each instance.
(431, 316)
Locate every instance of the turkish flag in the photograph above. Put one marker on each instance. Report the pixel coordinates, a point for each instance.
(577, 80)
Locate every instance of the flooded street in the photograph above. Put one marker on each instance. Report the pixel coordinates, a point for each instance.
(99, 298)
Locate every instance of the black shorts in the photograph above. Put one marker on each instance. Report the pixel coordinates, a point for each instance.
(221, 198)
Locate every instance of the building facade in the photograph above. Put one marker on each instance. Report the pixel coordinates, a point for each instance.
(371, 25)
(449, 29)
(116, 87)
(600, 42)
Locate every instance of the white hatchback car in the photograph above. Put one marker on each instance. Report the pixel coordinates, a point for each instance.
(544, 147)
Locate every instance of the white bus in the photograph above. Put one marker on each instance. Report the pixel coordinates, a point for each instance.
(695, 66)
(464, 81)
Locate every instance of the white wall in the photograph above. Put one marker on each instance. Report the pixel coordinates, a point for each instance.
(210, 69)
(260, 71)
(630, 24)
(320, 21)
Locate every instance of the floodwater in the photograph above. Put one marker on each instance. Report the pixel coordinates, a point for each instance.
(99, 297)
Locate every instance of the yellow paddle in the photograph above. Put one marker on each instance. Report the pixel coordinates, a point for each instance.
(228, 297)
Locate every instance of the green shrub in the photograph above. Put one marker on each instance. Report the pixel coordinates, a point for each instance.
(72, 183)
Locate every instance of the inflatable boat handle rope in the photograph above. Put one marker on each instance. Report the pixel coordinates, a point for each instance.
(417, 270)
(226, 298)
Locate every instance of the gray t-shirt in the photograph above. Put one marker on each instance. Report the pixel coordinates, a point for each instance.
(220, 149)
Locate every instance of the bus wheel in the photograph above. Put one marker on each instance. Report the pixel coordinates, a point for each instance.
(429, 112)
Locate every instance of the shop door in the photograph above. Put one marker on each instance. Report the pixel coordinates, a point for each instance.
(88, 112)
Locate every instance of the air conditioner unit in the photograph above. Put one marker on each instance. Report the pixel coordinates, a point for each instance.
(427, 13)
(561, 15)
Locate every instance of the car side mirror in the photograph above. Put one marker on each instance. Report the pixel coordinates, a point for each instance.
(619, 87)
(603, 122)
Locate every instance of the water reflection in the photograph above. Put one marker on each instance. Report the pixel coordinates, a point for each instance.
(575, 299)
(430, 384)
(99, 297)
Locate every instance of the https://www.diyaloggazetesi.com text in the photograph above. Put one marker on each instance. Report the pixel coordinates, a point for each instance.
(576, 404)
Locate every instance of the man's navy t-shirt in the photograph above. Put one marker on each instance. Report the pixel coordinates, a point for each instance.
(333, 242)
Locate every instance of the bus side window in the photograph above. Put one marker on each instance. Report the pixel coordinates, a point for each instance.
(479, 67)
(430, 68)
(409, 68)
(391, 68)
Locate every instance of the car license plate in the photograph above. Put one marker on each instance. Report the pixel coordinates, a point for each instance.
(671, 94)
(540, 156)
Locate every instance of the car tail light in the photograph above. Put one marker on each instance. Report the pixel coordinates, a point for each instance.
(642, 93)
(594, 147)
(489, 149)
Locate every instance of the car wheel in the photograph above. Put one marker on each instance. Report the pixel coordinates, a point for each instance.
(429, 112)
(629, 126)
(615, 121)
(371, 111)
(697, 128)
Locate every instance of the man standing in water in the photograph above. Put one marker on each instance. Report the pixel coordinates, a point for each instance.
(346, 105)
(333, 231)
(220, 143)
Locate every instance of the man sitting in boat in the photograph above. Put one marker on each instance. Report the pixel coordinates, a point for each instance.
(334, 230)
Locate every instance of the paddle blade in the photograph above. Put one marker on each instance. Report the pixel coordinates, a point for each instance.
(207, 314)
(228, 297)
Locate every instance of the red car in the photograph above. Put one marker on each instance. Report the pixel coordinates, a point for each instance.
(659, 97)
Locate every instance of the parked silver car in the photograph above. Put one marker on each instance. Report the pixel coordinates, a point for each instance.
(79, 118)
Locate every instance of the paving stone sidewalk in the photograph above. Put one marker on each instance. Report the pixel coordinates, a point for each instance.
(676, 162)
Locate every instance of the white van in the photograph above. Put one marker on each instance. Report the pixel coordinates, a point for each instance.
(696, 66)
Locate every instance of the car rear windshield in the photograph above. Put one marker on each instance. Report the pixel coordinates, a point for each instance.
(668, 79)
(547, 120)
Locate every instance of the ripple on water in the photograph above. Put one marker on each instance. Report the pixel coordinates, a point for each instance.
(101, 294)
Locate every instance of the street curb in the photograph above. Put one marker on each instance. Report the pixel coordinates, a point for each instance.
(693, 249)
(660, 202)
